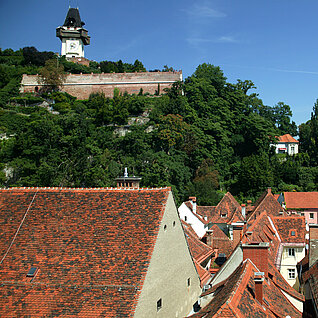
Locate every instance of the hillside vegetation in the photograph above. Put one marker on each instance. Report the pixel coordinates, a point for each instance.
(202, 137)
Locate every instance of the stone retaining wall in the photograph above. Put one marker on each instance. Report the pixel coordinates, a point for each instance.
(82, 85)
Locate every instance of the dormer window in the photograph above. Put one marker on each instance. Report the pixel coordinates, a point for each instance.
(292, 232)
(223, 215)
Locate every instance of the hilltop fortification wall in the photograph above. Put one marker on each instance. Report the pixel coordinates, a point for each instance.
(82, 85)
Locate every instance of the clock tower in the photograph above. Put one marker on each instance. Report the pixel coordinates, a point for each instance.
(73, 35)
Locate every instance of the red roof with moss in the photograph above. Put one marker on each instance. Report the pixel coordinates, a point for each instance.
(91, 248)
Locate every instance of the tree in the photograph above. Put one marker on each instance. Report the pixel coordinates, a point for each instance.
(282, 114)
(206, 183)
(32, 56)
(52, 76)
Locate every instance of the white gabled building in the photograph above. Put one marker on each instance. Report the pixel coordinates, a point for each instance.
(188, 213)
(286, 144)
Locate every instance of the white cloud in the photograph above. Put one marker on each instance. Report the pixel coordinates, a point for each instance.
(227, 39)
(200, 11)
(195, 41)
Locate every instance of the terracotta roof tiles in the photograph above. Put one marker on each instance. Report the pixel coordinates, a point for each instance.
(92, 248)
(236, 298)
(291, 229)
(301, 200)
(287, 138)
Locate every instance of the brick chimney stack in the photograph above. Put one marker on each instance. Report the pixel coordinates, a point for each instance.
(258, 280)
(258, 254)
(237, 233)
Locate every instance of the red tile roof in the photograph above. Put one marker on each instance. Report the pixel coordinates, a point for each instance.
(228, 207)
(198, 249)
(236, 298)
(92, 248)
(201, 217)
(262, 230)
(289, 225)
(287, 138)
(220, 241)
(301, 200)
(266, 203)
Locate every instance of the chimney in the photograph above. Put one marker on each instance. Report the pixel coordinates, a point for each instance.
(243, 206)
(269, 190)
(193, 201)
(258, 254)
(209, 238)
(237, 234)
(249, 203)
(258, 280)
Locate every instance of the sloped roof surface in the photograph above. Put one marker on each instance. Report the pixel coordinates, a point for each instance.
(227, 206)
(265, 203)
(286, 225)
(73, 18)
(198, 249)
(221, 241)
(287, 138)
(198, 215)
(301, 200)
(262, 231)
(92, 248)
(236, 298)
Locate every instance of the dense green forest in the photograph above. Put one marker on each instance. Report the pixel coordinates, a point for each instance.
(203, 137)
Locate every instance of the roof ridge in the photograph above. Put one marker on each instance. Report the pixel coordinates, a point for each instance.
(83, 189)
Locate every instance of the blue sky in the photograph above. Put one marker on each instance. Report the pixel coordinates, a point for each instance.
(274, 43)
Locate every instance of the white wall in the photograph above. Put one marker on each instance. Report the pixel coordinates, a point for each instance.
(170, 267)
(188, 216)
(290, 262)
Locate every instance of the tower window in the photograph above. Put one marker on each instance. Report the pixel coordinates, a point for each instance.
(159, 304)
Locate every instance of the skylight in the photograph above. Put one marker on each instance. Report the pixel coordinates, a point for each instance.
(32, 272)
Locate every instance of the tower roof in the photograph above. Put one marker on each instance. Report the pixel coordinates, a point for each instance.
(73, 18)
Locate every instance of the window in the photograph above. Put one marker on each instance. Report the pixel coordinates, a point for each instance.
(189, 282)
(292, 233)
(159, 304)
(291, 252)
(223, 215)
(165, 227)
(291, 273)
(311, 215)
(174, 223)
(32, 272)
(185, 218)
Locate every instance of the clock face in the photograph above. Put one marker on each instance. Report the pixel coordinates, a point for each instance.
(72, 46)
